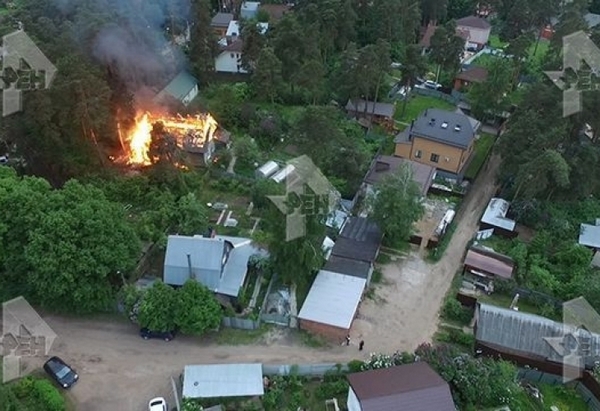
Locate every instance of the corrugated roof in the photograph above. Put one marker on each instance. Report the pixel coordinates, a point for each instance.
(383, 166)
(179, 87)
(222, 380)
(233, 29)
(359, 240)
(474, 21)
(457, 132)
(333, 299)
(381, 109)
(490, 263)
(495, 214)
(348, 266)
(592, 19)
(589, 235)
(474, 74)
(416, 387)
(528, 334)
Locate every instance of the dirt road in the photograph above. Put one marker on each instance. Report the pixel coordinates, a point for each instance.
(120, 371)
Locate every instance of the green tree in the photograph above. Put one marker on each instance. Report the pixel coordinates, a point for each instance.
(190, 215)
(158, 307)
(204, 46)
(267, 78)
(295, 261)
(458, 9)
(197, 310)
(433, 11)
(490, 97)
(311, 78)
(78, 249)
(254, 41)
(414, 66)
(397, 205)
(446, 47)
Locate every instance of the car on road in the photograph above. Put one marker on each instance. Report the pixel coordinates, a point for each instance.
(157, 404)
(147, 334)
(431, 85)
(61, 372)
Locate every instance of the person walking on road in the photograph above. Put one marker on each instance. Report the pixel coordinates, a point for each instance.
(361, 345)
(348, 339)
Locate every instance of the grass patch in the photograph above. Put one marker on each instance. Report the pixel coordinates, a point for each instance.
(417, 104)
(232, 336)
(454, 336)
(495, 42)
(563, 397)
(504, 300)
(383, 258)
(436, 254)
(541, 51)
(483, 146)
(311, 340)
(377, 276)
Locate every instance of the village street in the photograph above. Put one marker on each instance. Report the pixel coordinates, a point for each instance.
(120, 371)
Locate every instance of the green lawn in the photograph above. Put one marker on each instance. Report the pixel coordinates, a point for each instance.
(541, 51)
(496, 43)
(417, 104)
(482, 148)
(562, 397)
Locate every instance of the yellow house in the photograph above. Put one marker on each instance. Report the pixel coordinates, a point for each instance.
(441, 139)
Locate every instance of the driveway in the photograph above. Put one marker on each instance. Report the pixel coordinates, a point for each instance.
(120, 371)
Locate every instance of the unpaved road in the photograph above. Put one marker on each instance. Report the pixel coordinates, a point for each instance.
(121, 372)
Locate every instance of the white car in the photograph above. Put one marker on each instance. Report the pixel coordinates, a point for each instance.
(157, 404)
(432, 85)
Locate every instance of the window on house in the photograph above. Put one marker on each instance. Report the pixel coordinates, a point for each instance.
(418, 154)
(434, 158)
(232, 55)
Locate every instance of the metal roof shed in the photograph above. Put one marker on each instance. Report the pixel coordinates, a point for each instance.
(489, 263)
(495, 215)
(222, 380)
(333, 299)
(589, 235)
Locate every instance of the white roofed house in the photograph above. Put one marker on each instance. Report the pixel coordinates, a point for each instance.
(182, 89)
(220, 262)
(494, 218)
(229, 59)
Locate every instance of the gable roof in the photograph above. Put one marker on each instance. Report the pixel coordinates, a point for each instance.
(221, 20)
(333, 299)
(383, 166)
(179, 87)
(416, 386)
(222, 380)
(206, 258)
(381, 109)
(360, 240)
(347, 266)
(495, 214)
(473, 74)
(427, 35)
(527, 334)
(489, 262)
(235, 46)
(589, 235)
(458, 131)
(476, 124)
(474, 22)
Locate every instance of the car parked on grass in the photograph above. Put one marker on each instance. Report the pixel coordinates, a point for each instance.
(147, 334)
(61, 372)
(157, 404)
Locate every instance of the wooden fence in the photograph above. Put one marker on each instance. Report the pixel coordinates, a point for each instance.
(240, 323)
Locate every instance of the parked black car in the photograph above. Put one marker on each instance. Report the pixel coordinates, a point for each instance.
(61, 372)
(146, 334)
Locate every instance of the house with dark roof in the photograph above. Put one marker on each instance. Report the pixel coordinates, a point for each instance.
(478, 28)
(470, 75)
(410, 387)
(488, 264)
(220, 23)
(384, 166)
(218, 262)
(441, 139)
(275, 11)
(360, 240)
(182, 90)
(368, 111)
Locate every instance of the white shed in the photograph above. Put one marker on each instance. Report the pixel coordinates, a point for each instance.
(267, 169)
(283, 173)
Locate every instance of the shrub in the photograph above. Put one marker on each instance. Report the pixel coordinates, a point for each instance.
(357, 366)
(329, 390)
(48, 395)
(24, 387)
(454, 311)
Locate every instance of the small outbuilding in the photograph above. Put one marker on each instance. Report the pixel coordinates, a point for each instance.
(222, 380)
(490, 264)
(411, 387)
(589, 235)
(494, 217)
(331, 305)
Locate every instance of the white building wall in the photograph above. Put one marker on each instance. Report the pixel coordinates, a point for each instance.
(352, 403)
(229, 62)
(191, 95)
(479, 36)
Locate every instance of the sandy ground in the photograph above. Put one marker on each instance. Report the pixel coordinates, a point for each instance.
(120, 371)
(404, 311)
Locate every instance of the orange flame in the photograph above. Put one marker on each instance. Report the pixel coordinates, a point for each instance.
(138, 140)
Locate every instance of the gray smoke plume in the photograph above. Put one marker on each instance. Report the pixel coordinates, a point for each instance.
(130, 37)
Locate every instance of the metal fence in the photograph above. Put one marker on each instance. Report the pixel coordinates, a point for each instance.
(545, 378)
(453, 98)
(310, 370)
(240, 323)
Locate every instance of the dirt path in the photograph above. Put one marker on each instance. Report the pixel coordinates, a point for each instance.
(404, 311)
(120, 371)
